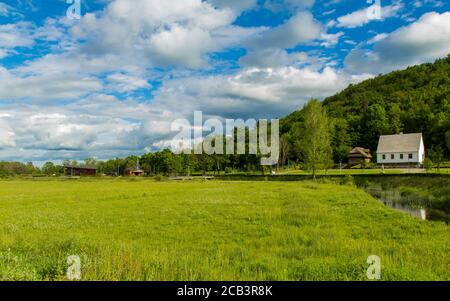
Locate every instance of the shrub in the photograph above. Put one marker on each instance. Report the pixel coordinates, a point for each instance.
(348, 180)
(428, 164)
(160, 178)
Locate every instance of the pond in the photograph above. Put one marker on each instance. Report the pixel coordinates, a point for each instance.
(419, 213)
(412, 205)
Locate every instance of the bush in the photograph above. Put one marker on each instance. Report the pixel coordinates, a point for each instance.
(428, 164)
(160, 178)
(228, 170)
(348, 180)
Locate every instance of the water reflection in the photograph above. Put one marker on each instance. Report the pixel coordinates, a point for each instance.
(395, 200)
(419, 213)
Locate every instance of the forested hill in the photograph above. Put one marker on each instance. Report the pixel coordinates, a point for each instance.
(413, 100)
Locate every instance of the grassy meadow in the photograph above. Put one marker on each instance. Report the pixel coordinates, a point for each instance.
(217, 230)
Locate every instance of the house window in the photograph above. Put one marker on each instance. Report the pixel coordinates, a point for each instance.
(401, 156)
(410, 156)
(392, 157)
(384, 157)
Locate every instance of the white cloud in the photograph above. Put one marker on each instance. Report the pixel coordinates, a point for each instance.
(45, 87)
(272, 57)
(330, 40)
(378, 38)
(422, 41)
(99, 125)
(253, 92)
(154, 32)
(6, 134)
(166, 46)
(299, 29)
(16, 35)
(126, 83)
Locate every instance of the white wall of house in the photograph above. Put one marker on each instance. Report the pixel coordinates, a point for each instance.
(421, 151)
(398, 158)
(399, 153)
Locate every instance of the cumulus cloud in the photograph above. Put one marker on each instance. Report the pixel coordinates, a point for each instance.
(16, 35)
(272, 57)
(253, 92)
(422, 41)
(299, 29)
(45, 87)
(156, 33)
(99, 125)
(123, 83)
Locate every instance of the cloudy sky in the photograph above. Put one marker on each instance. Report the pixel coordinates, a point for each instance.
(110, 83)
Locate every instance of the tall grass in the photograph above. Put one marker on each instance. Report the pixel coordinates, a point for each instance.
(146, 230)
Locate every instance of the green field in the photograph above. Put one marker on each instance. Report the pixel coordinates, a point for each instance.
(146, 230)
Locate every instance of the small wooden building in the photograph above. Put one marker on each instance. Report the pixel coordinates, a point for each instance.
(77, 171)
(134, 172)
(359, 155)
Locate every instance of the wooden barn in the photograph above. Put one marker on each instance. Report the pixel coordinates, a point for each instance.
(359, 155)
(77, 171)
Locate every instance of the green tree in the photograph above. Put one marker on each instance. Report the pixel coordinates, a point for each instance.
(428, 164)
(48, 168)
(340, 140)
(436, 155)
(313, 138)
(374, 123)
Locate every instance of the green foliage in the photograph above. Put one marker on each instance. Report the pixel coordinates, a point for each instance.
(428, 164)
(436, 155)
(348, 180)
(9, 169)
(160, 178)
(313, 138)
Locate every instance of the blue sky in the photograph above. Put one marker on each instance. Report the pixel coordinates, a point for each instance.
(111, 82)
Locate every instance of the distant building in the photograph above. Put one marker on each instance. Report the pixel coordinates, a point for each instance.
(76, 171)
(359, 155)
(401, 150)
(134, 172)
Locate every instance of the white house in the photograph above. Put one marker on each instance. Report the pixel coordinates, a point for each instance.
(403, 149)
